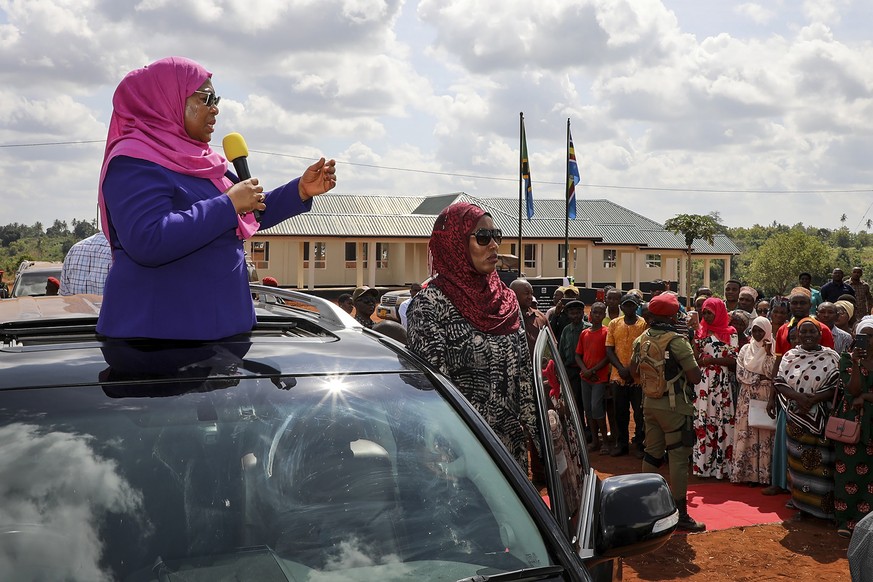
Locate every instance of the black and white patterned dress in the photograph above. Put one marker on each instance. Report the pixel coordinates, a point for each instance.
(494, 372)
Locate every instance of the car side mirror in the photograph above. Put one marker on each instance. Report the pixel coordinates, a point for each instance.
(637, 515)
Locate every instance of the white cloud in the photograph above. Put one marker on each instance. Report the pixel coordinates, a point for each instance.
(767, 97)
(58, 501)
(757, 13)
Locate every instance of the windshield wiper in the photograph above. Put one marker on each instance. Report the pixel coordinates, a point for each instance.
(523, 574)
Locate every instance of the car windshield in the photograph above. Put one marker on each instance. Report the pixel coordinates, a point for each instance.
(363, 477)
(33, 282)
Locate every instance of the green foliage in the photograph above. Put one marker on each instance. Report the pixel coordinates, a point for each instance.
(19, 242)
(694, 226)
(779, 260)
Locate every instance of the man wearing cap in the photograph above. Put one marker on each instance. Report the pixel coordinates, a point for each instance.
(560, 318)
(805, 280)
(534, 320)
(365, 299)
(626, 393)
(52, 286)
(668, 419)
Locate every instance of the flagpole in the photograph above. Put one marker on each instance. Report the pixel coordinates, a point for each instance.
(520, 187)
(567, 204)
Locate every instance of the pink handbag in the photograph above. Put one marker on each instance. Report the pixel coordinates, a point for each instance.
(842, 430)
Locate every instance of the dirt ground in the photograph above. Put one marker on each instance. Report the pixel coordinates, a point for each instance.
(809, 549)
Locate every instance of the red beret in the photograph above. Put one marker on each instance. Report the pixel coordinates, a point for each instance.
(54, 281)
(271, 282)
(665, 305)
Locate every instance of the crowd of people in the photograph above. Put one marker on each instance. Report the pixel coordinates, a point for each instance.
(771, 373)
(756, 378)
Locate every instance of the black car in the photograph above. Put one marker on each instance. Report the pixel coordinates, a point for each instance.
(308, 449)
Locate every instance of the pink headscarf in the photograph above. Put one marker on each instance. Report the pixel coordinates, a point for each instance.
(148, 123)
(483, 300)
(720, 326)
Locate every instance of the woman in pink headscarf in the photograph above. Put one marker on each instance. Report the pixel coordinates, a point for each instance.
(715, 347)
(173, 214)
(467, 324)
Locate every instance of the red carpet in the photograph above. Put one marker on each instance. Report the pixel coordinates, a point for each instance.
(724, 505)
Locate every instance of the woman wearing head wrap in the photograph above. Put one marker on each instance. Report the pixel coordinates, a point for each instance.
(753, 447)
(715, 347)
(845, 315)
(467, 324)
(808, 375)
(853, 479)
(173, 215)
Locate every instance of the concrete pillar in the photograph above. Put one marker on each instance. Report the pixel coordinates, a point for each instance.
(300, 275)
(589, 265)
(619, 269)
(706, 272)
(727, 267)
(371, 264)
(638, 263)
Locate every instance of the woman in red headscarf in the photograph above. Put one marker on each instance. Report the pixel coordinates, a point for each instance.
(715, 347)
(173, 214)
(467, 324)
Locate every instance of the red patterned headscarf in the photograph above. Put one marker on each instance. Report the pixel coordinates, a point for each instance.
(483, 300)
(721, 326)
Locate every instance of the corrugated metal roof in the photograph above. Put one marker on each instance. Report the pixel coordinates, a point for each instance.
(602, 221)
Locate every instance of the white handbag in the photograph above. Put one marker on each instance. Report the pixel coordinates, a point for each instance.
(758, 417)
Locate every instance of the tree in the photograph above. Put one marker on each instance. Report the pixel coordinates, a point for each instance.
(83, 228)
(59, 228)
(693, 227)
(779, 260)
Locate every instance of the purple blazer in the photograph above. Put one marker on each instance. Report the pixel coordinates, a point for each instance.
(178, 269)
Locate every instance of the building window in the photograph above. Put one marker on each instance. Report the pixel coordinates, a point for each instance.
(381, 255)
(609, 258)
(561, 252)
(530, 256)
(653, 261)
(319, 255)
(261, 254)
(351, 255)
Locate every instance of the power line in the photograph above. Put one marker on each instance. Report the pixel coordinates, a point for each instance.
(498, 178)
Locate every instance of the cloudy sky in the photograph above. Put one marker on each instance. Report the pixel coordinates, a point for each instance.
(759, 111)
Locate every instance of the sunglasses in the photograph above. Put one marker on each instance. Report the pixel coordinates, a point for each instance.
(211, 98)
(484, 236)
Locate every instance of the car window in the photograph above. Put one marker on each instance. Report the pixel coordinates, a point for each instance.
(371, 477)
(33, 283)
(571, 492)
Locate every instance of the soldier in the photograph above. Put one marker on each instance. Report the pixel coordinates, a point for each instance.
(665, 367)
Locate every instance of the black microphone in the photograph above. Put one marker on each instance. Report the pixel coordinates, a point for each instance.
(236, 151)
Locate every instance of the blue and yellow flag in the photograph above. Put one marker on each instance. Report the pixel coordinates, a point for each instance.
(572, 177)
(525, 174)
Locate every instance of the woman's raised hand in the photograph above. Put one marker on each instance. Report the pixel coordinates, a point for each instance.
(317, 179)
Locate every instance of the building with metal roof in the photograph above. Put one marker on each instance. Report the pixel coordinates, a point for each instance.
(381, 241)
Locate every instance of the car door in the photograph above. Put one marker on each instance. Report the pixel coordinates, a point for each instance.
(571, 481)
